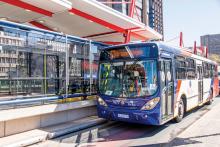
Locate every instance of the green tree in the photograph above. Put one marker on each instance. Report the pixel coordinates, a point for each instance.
(215, 57)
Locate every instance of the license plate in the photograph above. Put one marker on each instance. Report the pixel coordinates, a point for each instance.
(123, 115)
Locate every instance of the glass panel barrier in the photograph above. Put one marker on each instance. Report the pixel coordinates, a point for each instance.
(34, 64)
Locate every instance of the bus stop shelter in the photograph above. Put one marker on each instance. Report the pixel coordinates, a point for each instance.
(84, 18)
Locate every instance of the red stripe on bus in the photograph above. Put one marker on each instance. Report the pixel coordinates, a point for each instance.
(177, 91)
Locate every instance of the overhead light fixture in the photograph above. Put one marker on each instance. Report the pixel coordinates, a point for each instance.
(3, 18)
(71, 13)
(41, 21)
(27, 10)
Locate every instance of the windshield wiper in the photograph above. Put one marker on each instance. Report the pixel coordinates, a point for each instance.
(136, 60)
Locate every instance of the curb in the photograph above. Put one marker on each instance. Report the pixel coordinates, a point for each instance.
(28, 142)
(74, 129)
(52, 135)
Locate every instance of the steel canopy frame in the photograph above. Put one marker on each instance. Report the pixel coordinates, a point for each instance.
(107, 24)
(97, 20)
(127, 32)
(39, 25)
(24, 5)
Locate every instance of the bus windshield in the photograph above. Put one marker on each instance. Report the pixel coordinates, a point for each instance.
(131, 79)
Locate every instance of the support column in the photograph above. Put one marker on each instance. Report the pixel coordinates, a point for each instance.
(131, 14)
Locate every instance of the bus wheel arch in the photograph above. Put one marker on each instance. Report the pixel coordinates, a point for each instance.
(181, 109)
(210, 97)
(183, 97)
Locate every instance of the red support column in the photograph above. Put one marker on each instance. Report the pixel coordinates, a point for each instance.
(181, 39)
(206, 54)
(128, 36)
(131, 14)
(195, 48)
(202, 49)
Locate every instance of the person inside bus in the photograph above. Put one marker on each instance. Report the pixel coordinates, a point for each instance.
(114, 85)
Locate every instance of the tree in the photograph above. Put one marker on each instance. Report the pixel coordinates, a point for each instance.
(215, 57)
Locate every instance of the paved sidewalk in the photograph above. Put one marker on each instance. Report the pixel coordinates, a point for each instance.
(204, 132)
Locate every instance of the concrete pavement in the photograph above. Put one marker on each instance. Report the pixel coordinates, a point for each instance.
(204, 132)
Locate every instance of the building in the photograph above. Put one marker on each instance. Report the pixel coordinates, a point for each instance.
(212, 42)
(149, 12)
(9, 58)
(156, 15)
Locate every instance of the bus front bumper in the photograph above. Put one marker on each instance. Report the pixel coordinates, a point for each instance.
(133, 116)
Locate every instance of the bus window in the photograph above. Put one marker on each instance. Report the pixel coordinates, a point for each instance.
(206, 70)
(180, 66)
(128, 78)
(140, 78)
(191, 69)
(110, 82)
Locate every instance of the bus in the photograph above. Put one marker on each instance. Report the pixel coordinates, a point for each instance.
(153, 83)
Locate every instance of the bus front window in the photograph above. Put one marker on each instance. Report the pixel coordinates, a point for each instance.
(128, 79)
(110, 78)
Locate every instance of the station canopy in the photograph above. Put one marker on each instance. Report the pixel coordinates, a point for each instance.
(84, 18)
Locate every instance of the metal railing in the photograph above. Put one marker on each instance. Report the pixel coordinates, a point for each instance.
(35, 101)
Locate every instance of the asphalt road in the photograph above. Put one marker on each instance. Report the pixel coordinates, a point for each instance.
(113, 134)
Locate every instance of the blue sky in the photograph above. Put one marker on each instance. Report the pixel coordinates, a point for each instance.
(193, 17)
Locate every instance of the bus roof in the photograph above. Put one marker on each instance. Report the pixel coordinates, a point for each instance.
(169, 49)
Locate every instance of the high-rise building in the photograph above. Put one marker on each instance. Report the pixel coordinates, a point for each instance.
(212, 42)
(149, 12)
(156, 15)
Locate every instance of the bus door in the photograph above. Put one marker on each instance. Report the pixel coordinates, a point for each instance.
(200, 83)
(167, 91)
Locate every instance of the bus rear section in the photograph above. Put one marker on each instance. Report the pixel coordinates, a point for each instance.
(129, 84)
(219, 78)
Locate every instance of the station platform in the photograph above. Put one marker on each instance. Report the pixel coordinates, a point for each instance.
(22, 119)
(42, 134)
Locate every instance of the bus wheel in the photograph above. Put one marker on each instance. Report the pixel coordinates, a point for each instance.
(181, 111)
(210, 98)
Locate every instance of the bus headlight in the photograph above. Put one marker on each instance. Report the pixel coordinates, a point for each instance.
(102, 102)
(151, 104)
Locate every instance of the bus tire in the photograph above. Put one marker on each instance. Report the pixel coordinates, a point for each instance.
(210, 98)
(181, 111)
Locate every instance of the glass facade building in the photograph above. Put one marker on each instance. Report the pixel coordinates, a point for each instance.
(212, 42)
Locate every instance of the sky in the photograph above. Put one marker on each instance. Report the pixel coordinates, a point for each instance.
(192, 17)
